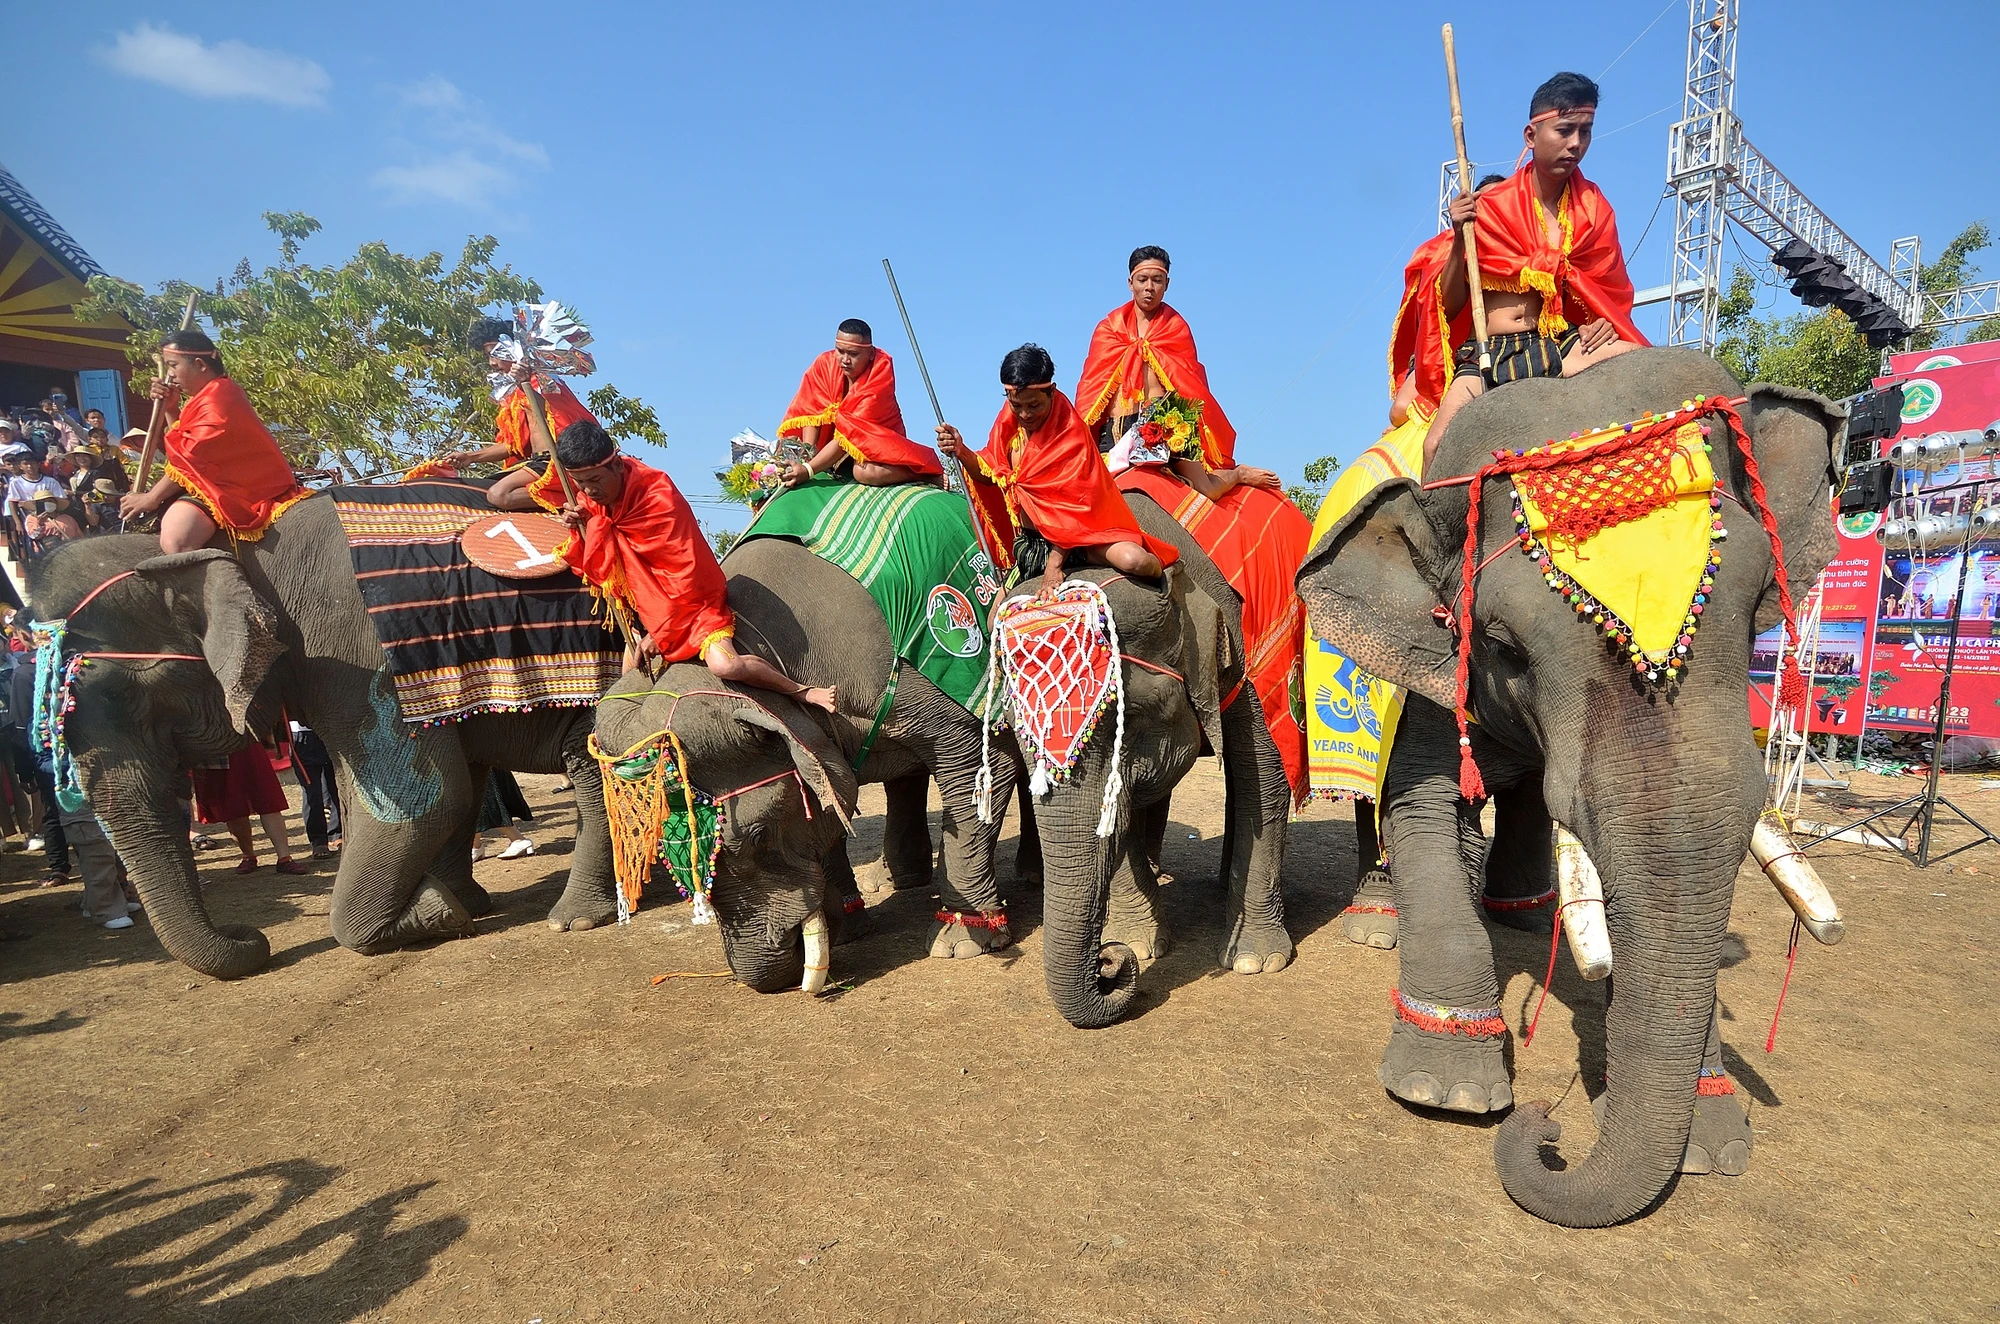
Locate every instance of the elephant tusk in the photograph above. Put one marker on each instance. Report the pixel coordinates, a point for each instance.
(819, 955)
(1580, 894)
(1796, 880)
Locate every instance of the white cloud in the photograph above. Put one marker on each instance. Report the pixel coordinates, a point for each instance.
(465, 156)
(225, 70)
(459, 177)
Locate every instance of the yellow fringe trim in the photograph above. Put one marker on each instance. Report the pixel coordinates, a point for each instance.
(701, 654)
(851, 448)
(793, 426)
(255, 533)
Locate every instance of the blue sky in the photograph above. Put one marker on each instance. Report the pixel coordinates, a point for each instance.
(714, 186)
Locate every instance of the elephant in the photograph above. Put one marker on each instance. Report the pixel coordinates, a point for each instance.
(213, 646)
(1661, 784)
(1183, 647)
(782, 858)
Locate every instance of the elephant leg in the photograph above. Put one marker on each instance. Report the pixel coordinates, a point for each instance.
(1520, 889)
(1370, 918)
(1719, 1141)
(846, 909)
(907, 853)
(1447, 1039)
(1259, 804)
(382, 898)
(588, 900)
(972, 917)
(1132, 914)
(1028, 843)
(452, 869)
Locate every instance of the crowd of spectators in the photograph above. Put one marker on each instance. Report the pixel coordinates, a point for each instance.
(65, 475)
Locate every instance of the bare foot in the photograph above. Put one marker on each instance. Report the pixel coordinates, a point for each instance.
(818, 696)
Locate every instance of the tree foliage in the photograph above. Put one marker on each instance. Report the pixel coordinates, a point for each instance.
(1318, 478)
(1822, 351)
(361, 365)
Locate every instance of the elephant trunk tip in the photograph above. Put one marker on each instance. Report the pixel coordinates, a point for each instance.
(1599, 1192)
(230, 951)
(1104, 998)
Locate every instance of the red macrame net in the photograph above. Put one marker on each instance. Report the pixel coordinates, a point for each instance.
(1585, 490)
(1058, 665)
(1557, 469)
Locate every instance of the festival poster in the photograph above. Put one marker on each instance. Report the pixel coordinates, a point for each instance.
(1926, 559)
(1925, 360)
(1848, 608)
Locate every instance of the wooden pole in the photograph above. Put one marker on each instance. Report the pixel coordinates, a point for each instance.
(156, 426)
(1475, 294)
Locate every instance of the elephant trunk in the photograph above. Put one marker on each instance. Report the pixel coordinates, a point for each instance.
(148, 833)
(1667, 911)
(1090, 982)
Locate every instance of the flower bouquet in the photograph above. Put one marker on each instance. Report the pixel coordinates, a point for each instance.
(1173, 423)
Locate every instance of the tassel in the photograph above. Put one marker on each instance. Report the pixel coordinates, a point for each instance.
(1108, 819)
(1792, 691)
(1038, 781)
(1470, 784)
(982, 791)
(703, 912)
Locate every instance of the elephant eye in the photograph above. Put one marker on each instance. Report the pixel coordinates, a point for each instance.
(1503, 642)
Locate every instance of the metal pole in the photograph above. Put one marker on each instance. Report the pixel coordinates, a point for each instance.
(1944, 701)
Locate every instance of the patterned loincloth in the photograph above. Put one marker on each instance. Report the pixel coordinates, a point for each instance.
(460, 640)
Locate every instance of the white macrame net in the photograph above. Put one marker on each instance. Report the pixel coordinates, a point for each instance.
(1055, 668)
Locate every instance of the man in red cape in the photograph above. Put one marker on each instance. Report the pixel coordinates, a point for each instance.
(513, 435)
(1041, 491)
(846, 414)
(636, 543)
(223, 470)
(1238, 514)
(1558, 299)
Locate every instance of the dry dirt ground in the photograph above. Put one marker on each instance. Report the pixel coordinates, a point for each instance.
(522, 1126)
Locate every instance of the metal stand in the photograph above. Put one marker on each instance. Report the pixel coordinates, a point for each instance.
(1925, 804)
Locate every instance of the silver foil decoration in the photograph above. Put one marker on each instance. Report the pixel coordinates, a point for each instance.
(548, 338)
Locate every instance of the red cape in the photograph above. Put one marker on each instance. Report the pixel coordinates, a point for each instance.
(512, 431)
(1413, 319)
(221, 454)
(647, 552)
(867, 421)
(1058, 481)
(1580, 280)
(1114, 375)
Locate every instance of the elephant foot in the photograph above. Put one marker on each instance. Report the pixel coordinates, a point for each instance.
(1370, 921)
(574, 912)
(1258, 949)
(847, 919)
(1529, 914)
(1144, 934)
(1719, 1141)
(1457, 1066)
(880, 882)
(432, 913)
(957, 935)
(478, 902)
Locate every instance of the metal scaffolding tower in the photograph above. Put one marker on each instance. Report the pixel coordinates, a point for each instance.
(1717, 177)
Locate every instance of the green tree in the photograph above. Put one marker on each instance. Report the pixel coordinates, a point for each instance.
(360, 365)
(1822, 351)
(1318, 477)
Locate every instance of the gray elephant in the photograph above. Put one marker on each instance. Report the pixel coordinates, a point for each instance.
(782, 855)
(1662, 784)
(283, 623)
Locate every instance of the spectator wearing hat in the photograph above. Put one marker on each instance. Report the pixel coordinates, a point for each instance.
(36, 502)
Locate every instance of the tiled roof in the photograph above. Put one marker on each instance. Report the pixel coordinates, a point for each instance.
(30, 216)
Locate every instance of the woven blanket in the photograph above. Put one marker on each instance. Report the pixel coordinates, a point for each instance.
(913, 549)
(460, 640)
(1352, 716)
(1257, 539)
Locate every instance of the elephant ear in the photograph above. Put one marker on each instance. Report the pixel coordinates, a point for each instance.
(1209, 654)
(1796, 436)
(239, 630)
(818, 761)
(1370, 589)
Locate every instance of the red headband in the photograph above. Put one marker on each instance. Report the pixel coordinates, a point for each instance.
(1560, 111)
(1150, 262)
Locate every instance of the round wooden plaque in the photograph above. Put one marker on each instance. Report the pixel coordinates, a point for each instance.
(515, 544)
